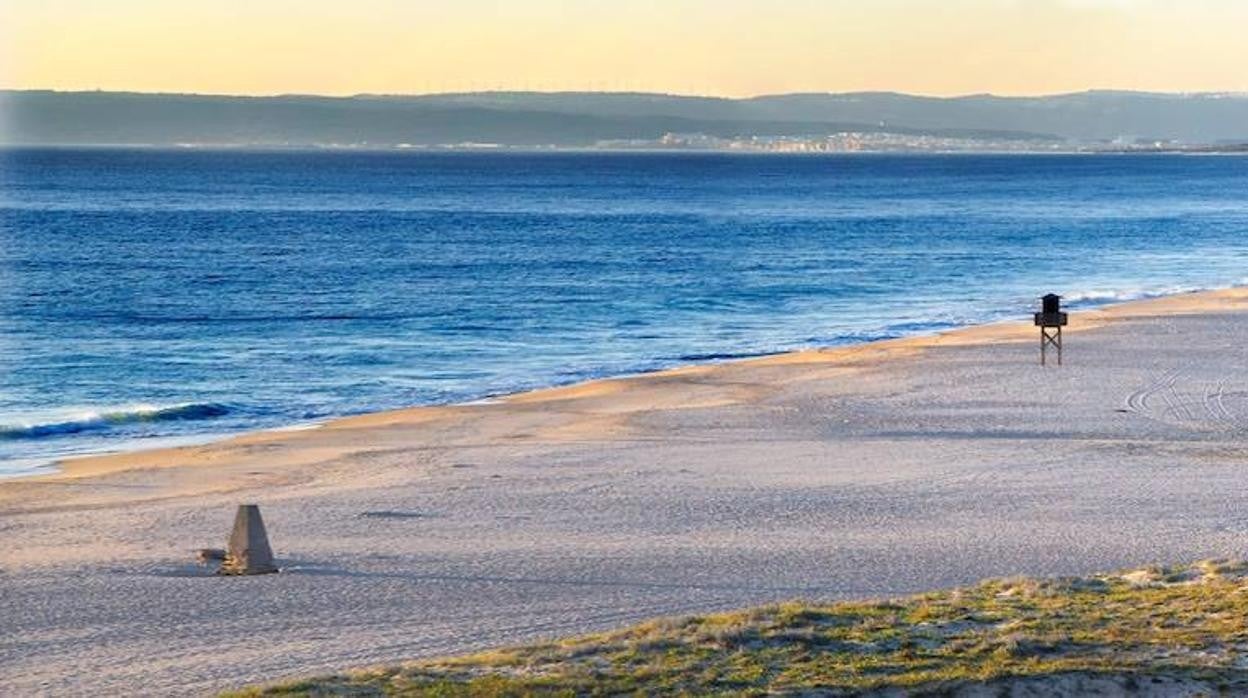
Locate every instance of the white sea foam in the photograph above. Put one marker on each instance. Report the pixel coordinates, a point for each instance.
(1099, 296)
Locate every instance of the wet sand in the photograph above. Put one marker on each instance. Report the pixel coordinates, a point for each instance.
(873, 470)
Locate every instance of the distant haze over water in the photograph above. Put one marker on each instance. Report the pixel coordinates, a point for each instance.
(150, 295)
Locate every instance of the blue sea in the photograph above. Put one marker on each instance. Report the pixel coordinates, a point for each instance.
(151, 297)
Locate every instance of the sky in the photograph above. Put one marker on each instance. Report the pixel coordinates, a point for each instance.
(708, 47)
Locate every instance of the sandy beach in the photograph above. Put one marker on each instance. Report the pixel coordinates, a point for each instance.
(865, 471)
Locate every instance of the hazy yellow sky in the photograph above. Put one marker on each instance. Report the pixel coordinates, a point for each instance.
(719, 47)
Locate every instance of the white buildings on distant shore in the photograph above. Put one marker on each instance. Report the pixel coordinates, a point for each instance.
(842, 142)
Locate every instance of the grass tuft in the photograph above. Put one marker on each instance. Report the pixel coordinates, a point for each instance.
(1180, 628)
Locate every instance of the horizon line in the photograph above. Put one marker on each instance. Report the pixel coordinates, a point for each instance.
(459, 93)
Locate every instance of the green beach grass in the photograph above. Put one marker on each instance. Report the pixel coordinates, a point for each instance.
(1178, 628)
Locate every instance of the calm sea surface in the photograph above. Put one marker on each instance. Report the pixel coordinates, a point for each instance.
(149, 297)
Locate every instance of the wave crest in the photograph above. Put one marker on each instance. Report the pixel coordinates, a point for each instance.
(1110, 295)
(98, 420)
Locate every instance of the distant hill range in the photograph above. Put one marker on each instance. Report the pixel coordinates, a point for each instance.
(585, 119)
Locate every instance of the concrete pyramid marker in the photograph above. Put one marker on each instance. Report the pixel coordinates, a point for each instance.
(249, 551)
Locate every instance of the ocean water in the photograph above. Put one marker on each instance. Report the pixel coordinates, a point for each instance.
(150, 297)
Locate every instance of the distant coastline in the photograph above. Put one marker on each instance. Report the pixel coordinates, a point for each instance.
(1095, 121)
(477, 148)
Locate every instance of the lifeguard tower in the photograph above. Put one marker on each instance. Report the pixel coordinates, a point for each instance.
(1050, 320)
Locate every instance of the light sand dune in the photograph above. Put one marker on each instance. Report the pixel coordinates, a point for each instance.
(870, 470)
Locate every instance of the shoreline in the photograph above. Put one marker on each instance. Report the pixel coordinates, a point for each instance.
(91, 465)
(871, 471)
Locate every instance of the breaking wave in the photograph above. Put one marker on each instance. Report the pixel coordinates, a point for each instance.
(98, 420)
(1102, 296)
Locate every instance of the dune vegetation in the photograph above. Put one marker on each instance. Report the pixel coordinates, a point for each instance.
(1178, 630)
